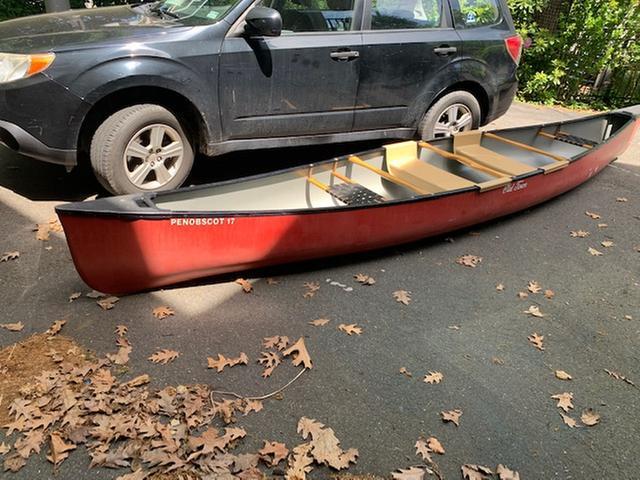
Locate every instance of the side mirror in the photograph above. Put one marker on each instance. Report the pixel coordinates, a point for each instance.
(263, 22)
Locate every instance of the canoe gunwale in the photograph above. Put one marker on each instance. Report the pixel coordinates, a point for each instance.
(143, 207)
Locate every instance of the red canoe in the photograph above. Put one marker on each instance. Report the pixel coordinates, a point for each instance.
(400, 193)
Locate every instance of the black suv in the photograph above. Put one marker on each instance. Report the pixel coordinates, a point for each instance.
(141, 88)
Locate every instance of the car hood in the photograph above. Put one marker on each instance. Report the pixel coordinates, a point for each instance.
(72, 29)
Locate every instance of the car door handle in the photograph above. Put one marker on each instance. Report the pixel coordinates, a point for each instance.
(445, 50)
(344, 55)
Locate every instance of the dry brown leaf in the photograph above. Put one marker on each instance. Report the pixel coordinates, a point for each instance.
(273, 453)
(320, 322)
(621, 199)
(221, 362)
(549, 294)
(402, 296)
(247, 286)
(469, 260)
(278, 342)
(603, 225)
(619, 376)
(12, 327)
(568, 421)
(4, 448)
(497, 361)
(423, 450)
(312, 288)
(536, 340)
(565, 400)
(579, 233)
(590, 418)
(628, 317)
(121, 330)
(435, 446)
(475, 472)
(405, 372)
(95, 294)
(122, 356)
(607, 243)
(412, 473)
(74, 296)
(59, 449)
(522, 295)
(504, 473)
(364, 279)
(270, 360)
(107, 303)
(325, 445)
(350, 329)
(562, 375)
(301, 355)
(534, 311)
(595, 216)
(595, 252)
(534, 287)
(452, 416)
(500, 287)
(163, 312)
(433, 377)
(14, 463)
(164, 356)
(56, 327)
(300, 463)
(6, 256)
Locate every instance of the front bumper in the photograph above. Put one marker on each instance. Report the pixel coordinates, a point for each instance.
(23, 142)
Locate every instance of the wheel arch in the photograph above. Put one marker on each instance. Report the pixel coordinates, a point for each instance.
(474, 88)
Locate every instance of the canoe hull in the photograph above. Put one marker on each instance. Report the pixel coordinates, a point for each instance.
(116, 254)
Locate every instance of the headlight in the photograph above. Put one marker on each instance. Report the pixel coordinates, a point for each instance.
(14, 67)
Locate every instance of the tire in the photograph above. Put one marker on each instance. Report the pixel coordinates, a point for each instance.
(129, 151)
(433, 123)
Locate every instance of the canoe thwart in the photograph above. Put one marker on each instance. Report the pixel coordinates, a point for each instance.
(358, 161)
(468, 145)
(569, 138)
(524, 146)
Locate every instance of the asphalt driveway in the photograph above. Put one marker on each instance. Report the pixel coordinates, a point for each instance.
(458, 323)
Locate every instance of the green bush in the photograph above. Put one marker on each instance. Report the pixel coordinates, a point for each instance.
(20, 8)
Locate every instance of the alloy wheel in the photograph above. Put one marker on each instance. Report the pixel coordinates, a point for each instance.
(455, 118)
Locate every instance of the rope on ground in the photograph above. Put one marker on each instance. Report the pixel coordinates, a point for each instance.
(262, 397)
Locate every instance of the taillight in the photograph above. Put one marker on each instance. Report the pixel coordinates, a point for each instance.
(514, 47)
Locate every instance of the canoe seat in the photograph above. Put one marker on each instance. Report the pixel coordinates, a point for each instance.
(468, 144)
(403, 162)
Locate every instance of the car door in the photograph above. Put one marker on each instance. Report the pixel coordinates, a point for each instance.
(406, 45)
(301, 83)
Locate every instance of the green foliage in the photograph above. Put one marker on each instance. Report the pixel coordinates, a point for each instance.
(20, 8)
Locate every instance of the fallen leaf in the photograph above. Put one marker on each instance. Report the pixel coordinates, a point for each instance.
(564, 400)
(350, 329)
(595, 216)
(505, 473)
(621, 199)
(402, 296)
(122, 355)
(270, 360)
(278, 342)
(247, 286)
(12, 327)
(603, 225)
(536, 340)
(6, 256)
(4, 448)
(475, 472)
(312, 288)
(435, 446)
(405, 372)
(320, 322)
(549, 294)
(619, 376)
(273, 453)
(121, 330)
(497, 360)
(300, 463)
(562, 375)
(59, 449)
(299, 349)
(590, 417)
(500, 287)
(55, 327)
(423, 450)
(164, 356)
(163, 312)
(522, 295)
(469, 260)
(95, 294)
(452, 416)
(221, 362)
(364, 279)
(607, 243)
(74, 296)
(534, 287)
(325, 446)
(454, 327)
(433, 377)
(107, 303)
(579, 233)
(14, 462)
(595, 252)
(412, 473)
(534, 311)
(568, 421)
(628, 317)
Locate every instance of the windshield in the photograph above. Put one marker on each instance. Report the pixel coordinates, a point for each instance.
(194, 11)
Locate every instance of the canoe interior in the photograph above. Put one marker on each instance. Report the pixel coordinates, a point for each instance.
(470, 160)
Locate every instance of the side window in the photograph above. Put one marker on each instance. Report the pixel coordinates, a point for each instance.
(394, 14)
(313, 15)
(477, 13)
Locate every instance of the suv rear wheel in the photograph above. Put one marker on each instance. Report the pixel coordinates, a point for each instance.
(141, 149)
(455, 112)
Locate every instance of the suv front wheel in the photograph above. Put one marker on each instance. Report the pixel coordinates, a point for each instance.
(142, 148)
(455, 112)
